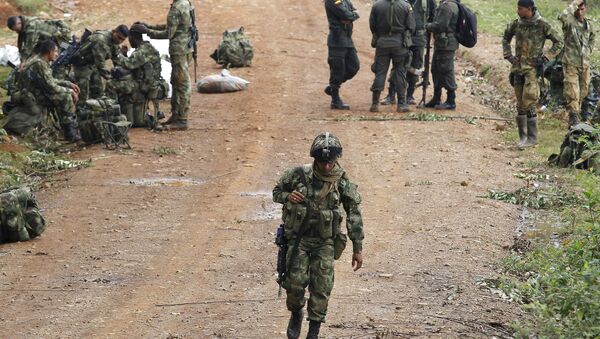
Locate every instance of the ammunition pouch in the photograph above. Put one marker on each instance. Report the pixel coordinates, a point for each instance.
(293, 215)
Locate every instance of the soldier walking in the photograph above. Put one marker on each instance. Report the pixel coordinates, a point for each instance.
(579, 42)
(392, 24)
(313, 196)
(180, 30)
(342, 58)
(531, 32)
(443, 28)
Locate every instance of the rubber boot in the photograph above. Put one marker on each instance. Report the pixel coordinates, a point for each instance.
(436, 100)
(573, 118)
(313, 330)
(295, 325)
(336, 101)
(410, 91)
(391, 97)
(522, 127)
(375, 101)
(71, 132)
(177, 125)
(450, 103)
(531, 132)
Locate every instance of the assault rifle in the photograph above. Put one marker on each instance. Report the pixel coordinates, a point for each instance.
(69, 51)
(425, 82)
(282, 243)
(193, 43)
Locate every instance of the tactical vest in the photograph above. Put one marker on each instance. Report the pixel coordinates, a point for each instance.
(318, 219)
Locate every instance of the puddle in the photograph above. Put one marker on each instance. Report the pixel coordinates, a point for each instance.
(265, 209)
(171, 182)
(256, 194)
(539, 226)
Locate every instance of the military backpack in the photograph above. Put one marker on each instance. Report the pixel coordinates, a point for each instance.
(580, 148)
(20, 217)
(100, 120)
(466, 26)
(235, 50)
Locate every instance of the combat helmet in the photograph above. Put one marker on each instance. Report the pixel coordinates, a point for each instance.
(326, 148)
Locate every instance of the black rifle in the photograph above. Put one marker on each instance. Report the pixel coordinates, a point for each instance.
(194, 42)
(282, 243)
(425, 82)
(72, 49)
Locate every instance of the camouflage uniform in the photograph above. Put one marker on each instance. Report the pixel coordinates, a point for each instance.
(90, 64)
(38, 89)
(141, 84)
(342, 58)
(392, 25)
(531, 34)
(177, 30)
(313, 264)
(579, 40)
(34, 30)
(443, 28)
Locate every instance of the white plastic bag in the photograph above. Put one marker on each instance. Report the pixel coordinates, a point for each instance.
(221, 83)
(9, 53)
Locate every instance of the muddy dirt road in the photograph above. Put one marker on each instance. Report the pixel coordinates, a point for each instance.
(181, 245)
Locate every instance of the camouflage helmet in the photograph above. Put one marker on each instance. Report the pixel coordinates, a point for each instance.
(326, 148)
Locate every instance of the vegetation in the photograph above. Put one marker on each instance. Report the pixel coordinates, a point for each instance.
(30, 6)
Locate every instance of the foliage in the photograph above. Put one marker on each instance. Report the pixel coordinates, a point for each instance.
(535, 197)
(165, 150)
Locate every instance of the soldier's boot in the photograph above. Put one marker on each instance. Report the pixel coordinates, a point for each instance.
(313, 329)
(71, 132)
(295, 325)
(436, 100)
(402, 107)
(410, 92)
(174, 116)
(522, 127)
(532, 132)
(573, 118)
(336, 101)
(177, 125)
(327, 90)
(450, 103)
(375, 101)
(390, 99)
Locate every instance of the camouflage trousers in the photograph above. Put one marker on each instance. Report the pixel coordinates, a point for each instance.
(181, 84)
(527, 90)
(312, 268)
(576, 85)
(89, 81)
(30, 112)
(442, 70)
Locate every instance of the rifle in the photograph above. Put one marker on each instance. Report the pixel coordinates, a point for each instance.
(425, 82)
(282, 243)
(193, 42)
(70, 50)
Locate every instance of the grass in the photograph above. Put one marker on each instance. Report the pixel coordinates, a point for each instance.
(493, 15)
(30, 6)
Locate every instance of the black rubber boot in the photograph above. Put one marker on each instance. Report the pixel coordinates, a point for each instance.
(71, 132)
(522, 127)
(391, 97)
(573, 118)
(532, 132)
(375, 101)
(410, 91)
(295, 325)
(450, 103)
(313, 330)
(436, 100)
(336, 101)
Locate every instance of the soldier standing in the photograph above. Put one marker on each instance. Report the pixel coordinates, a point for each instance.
(311, 196)
(443, 28)
(31, 30)
(579, 42)
(343, 60)
(392, 24)
(531, 32)
(90, 62)
(180, 30)
(423, 12)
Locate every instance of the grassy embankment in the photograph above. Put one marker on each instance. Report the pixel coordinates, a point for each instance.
(558, 278)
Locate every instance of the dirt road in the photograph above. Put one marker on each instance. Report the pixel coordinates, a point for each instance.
(181, 245)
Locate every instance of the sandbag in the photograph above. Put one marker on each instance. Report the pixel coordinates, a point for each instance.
(221, 83)
(20, 217)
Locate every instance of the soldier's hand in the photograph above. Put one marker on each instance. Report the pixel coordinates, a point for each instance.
(296, 197)
(357, 261)
(512, 59)
(75, 88)
(75, 96)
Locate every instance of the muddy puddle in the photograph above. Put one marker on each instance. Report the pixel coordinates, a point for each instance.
(263, 208)
(170, 182)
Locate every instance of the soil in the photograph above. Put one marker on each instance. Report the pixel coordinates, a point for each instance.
(181, 245)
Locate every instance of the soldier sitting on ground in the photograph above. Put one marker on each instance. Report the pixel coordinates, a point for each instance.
(37, 92)
(137, 79)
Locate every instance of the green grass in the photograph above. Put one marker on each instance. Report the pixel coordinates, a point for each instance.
(494, 15)
(30, 6)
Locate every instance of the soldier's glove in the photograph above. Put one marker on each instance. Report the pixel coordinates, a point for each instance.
(118, 73)
(139, 28)
(512, 59)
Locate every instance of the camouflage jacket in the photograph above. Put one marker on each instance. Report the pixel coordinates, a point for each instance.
(36, 78)
(35, 29)
(579, 37)
(178, 28)
(531, 34)
(340, 15)
(392, 23)
(443, 26)
(326, 214)
(144, 63)
(423, 11)
(98, 48)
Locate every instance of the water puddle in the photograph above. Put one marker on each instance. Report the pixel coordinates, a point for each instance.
(263, 209)
(170, 182)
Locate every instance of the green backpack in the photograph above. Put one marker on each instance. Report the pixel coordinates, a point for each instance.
(235, 50)
(100, 120)
(580, 148)
(20, 218)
